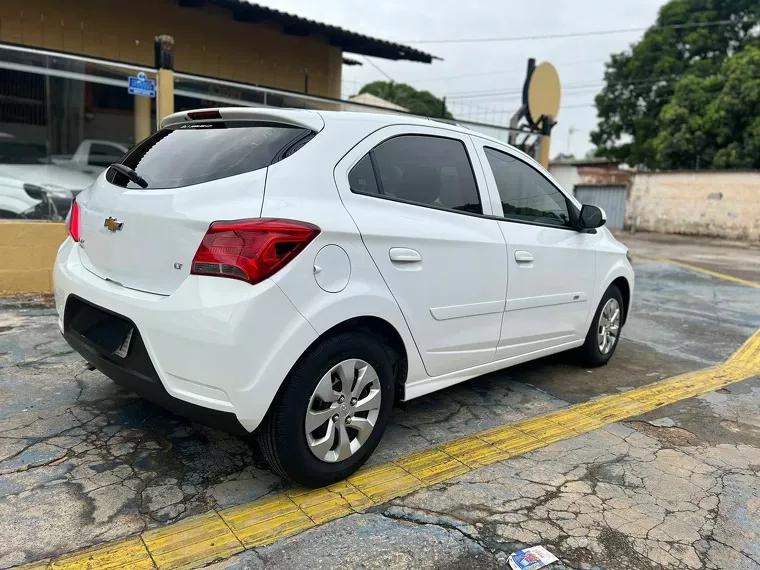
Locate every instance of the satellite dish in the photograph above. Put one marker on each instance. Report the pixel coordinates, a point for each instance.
(543, 94)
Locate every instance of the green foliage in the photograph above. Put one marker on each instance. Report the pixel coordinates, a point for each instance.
(683, 66)
(714, 121)
(418, 102)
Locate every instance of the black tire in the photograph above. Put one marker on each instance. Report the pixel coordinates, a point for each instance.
(282, 437)
(589, 354)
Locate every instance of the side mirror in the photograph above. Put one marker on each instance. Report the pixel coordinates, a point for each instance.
(591, 217)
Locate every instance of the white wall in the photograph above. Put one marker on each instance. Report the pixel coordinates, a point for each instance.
(566, 174)
(721, 203)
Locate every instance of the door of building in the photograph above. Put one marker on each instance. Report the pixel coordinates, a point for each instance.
(611, 199)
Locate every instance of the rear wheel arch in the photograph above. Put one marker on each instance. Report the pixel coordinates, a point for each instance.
(280, 434)
(386, 333)
(387, 336)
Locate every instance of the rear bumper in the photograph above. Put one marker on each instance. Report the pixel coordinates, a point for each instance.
(216, 344)
(137, 374)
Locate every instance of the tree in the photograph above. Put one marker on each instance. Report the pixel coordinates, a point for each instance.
(714, 122)
(642, 80)
(418, 102)
(563, 156)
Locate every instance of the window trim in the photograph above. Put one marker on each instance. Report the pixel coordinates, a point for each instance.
(381, 191)
(572, 209)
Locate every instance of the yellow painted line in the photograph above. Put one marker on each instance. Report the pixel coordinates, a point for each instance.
(263, 522)
(546, 429)
(190, 542)
(474, 452)
(220, 534)
(352, 495)
(321, 505)
(127, 554)
(432, 466)
(385, 482)
(510, 440)
(748, 356)
(698, 269)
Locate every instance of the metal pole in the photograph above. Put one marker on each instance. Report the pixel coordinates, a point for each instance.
(164, 52)
(546, 140)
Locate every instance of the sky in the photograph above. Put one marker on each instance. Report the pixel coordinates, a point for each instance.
(470, 69)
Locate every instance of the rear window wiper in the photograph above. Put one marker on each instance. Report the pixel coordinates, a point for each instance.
(129, 173)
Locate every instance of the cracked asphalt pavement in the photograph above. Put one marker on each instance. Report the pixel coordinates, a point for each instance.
(83, 461)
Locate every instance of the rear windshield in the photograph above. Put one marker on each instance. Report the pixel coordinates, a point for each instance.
(198, 152)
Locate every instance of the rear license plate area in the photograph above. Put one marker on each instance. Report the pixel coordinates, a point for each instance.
(109, 333)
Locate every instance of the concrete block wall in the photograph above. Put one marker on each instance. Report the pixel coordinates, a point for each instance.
(27, 253)
(718, 204)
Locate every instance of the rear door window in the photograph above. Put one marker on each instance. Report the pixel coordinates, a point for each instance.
(422, 169)
(197, 152)
(526, 196)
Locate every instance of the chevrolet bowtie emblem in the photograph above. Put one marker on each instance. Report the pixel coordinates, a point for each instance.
(113, 225)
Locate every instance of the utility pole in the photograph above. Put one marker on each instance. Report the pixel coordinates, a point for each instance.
(164, 54)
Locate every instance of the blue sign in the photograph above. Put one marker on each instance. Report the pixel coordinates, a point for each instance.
(141, 85)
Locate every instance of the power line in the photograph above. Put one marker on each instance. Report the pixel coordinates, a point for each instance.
(479, 110)
(568, 87)
(373, 64)
(577, 106)
(520, 71)
(578, 34)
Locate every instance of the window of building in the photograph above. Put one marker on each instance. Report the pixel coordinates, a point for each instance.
(526, 195)
(433, 171)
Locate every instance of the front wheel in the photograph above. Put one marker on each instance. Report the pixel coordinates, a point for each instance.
(604, 334)
(331, 412)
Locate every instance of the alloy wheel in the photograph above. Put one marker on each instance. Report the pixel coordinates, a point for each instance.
(343, 410)
(609, 326)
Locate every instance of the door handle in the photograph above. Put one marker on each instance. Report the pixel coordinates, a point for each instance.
(404, 255)
(523, 256)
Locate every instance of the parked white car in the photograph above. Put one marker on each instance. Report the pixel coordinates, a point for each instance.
(294, 272)
(92, 156)
(30, 186)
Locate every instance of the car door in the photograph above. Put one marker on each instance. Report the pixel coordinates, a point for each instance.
(551, 265)
(416, 200)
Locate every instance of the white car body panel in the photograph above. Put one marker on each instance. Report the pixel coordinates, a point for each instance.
(453, 295)
(212, 341)
(176, 218)
(466, 309)
(542, 310)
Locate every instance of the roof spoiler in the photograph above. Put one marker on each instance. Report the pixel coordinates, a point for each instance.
(296, 117)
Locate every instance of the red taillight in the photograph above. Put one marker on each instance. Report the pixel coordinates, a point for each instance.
(73, 222)
(251, 250)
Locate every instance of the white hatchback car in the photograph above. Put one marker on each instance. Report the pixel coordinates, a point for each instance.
(294, 272)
